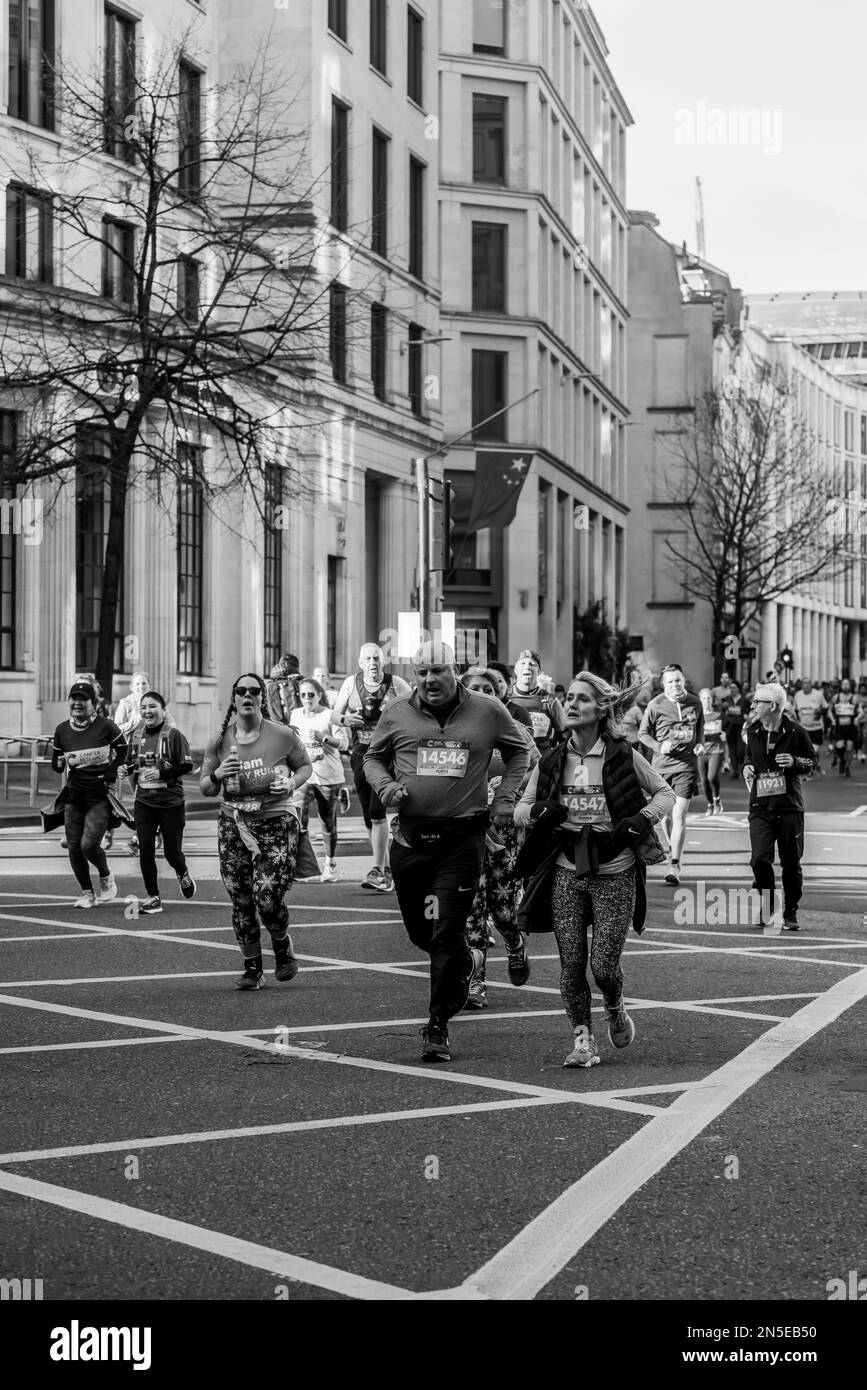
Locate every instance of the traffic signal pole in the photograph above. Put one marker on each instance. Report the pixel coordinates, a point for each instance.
(421, 482)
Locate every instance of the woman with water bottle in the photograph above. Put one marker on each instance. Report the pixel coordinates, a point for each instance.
(257, 765)
(159, 759)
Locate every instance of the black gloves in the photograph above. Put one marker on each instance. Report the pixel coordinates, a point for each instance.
(551, 812)
(629, 830)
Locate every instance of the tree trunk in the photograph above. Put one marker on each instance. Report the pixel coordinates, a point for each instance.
(112, 571)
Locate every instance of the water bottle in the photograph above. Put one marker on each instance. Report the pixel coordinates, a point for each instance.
(233, 783)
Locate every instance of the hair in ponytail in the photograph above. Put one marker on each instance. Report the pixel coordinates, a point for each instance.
(612, 701)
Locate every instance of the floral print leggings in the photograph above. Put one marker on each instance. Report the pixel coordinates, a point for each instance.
(609, 900)
(497, 895)
(257, 886)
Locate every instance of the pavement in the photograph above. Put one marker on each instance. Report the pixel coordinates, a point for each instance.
(166, 1137)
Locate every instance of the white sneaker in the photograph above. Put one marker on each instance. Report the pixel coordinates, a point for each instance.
(329, 874)
(107, 888)
(585, 1053)
(87, 899)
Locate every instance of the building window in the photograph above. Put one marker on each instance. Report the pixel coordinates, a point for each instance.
(31, 61)
(489, 394)
(92, 481)
(489, 26)
(118, 84)
(337, 18)
(414, 55)
(8, 441)
(332, 610)
(189, 305)
(29, 234)
(378, 32)
(849, 432)
(489, 139)
(416, 218)
(190, 559)
(414, 354)
(864, 434)
(339, 166)
(378, 343)
(189, 130)
(489, 266)
(379, 195)
(273, 577)
(337, 331)
(544, 537)
(118, 253)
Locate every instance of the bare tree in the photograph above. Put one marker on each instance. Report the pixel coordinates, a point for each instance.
(194, 294)
(756, 501)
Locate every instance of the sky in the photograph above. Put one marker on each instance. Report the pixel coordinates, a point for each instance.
(785, 197)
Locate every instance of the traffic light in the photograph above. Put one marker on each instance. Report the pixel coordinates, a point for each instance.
(435, 523)
(787, 658)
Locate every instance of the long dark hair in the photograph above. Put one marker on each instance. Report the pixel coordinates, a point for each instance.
(231, 710)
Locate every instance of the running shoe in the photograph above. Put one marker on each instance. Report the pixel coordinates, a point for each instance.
(188, 884)
(87, 899)
(621, 1029)
(790, 921)
(107, 888)
(329, 874)
(252, 978)
(309, 878)
(132, 845)
(718, 806)
(387, 885)
(286, 966)
(519, 965)
(709, 811)
(673, 875)
(435, 1042)
(150, 905)
(477, 997)
(374, 880)
(344, 800)
(585, 1053)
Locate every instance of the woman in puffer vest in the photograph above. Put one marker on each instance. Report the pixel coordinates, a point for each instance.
(591, 804)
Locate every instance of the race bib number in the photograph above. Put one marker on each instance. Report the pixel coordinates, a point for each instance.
(771, 784)
(91, 757)
(442, 758)
(585, 804)
(713, 726)
(251, 804)
(541, 723)
(681, 733)
(364, 735)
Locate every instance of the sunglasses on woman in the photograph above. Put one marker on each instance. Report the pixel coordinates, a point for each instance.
(243, 690)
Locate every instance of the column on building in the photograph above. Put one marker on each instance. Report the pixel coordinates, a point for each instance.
(398, 549)
(56, 646)
(151, 586)
(768, 646)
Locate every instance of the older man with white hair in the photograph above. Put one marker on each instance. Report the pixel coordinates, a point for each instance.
(428, 759)
(779, 755)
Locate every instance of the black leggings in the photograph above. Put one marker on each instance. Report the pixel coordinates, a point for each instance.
(709, 765)
(326, 808)
(170, 820)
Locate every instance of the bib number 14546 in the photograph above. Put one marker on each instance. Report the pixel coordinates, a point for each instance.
(442, 758)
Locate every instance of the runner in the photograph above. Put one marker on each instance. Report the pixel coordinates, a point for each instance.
(673, 725)
(429, 759)
(257, 831)
(498, 891)
(722, 693)
(159, 759)
(710, 761)
(592, 803)
(733, 726)
(811, 711)
(127, 717)
(282, 689)
(544, 709)
(320, 674)
(779, 755)
(361, 700)
(323, 744)
(843, 712)
(91, 748)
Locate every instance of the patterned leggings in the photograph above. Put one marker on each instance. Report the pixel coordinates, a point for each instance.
(611, 900)
(496, 894)
(258, 886)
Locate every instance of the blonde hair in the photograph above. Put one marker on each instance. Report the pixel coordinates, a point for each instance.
(612, 701)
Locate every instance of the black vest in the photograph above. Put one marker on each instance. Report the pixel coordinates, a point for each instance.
(623, 793)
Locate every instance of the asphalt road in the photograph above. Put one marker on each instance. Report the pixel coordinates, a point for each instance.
(166, 1137)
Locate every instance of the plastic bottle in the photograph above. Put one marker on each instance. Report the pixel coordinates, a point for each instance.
(233, 782)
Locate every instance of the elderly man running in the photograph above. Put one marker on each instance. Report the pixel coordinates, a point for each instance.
(429, 759)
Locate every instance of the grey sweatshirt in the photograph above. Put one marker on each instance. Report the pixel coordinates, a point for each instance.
(446, 769)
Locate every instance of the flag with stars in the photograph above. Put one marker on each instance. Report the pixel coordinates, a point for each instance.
(499, 479)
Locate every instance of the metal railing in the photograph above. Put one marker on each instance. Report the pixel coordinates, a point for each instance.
(34, 761)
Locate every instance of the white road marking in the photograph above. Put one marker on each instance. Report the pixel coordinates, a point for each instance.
(276, 1263)
(52, 936)
(538, 1253)
(93, 1042)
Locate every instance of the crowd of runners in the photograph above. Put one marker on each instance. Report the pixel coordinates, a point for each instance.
(492, 799)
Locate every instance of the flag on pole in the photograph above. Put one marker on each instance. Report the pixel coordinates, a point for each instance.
(499, 479)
